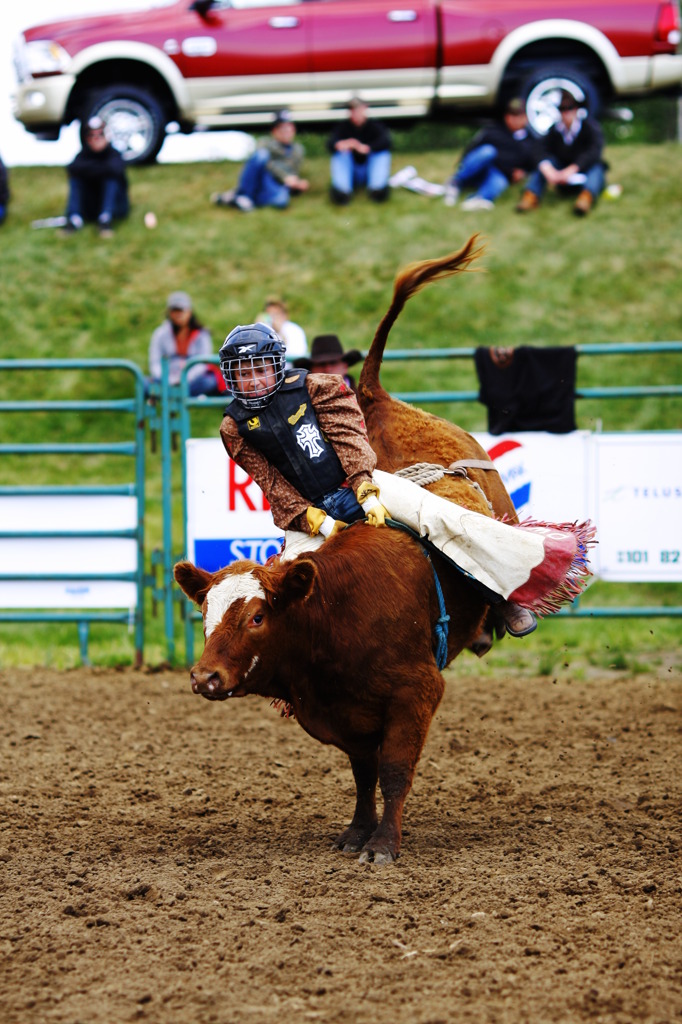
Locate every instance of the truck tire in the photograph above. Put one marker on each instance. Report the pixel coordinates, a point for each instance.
(134, 120)
(541, 91)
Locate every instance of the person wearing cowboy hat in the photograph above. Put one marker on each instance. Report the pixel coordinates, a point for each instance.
(327, 356)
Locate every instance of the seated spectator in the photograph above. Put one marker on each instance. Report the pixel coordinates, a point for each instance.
(98, 186)
(271, 176)
(276, 314)
(570, 158)
(361, 156)
(4, 191)
(327, 356)
(178, 338)
(498, 155)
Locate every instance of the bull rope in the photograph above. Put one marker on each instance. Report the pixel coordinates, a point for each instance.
(440, 630)
(424, 473)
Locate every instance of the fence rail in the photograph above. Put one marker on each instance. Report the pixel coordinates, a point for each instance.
(165, 412)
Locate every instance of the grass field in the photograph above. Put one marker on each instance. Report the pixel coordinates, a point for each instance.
(546, 279)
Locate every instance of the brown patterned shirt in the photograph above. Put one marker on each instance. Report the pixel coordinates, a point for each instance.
(341, 420)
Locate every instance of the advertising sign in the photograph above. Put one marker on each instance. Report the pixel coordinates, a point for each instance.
(638, 506)
(629, 485)
(228, 516)
(546, 475)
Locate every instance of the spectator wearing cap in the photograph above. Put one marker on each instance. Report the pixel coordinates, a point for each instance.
(276, 314)
(570, 159)
(178, 338)
(98, 185)
(360, 156)
(4, 191)
(500, 154)
(271, 176)
(327, 356)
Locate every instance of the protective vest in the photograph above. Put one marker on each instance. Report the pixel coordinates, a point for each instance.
(288, 434)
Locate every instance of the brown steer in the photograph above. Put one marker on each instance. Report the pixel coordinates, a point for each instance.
(345, 637)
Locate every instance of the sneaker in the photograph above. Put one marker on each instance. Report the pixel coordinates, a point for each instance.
(583, 203)
(73, 224)
(401, 176)
(477, 203)
(379, 195)
(451, 194)
(104, 225)
(243, 203)
(338, 197)
(528, 201)
(223, 198)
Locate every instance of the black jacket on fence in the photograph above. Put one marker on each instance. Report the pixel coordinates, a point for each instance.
(528, 388)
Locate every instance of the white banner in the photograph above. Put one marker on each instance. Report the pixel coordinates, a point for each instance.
(638, 506)
(228, 517)
(629, 485)
(546, 475)
(46, 556)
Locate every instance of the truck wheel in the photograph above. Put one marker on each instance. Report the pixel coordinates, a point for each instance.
(541, 92)
(134, 120)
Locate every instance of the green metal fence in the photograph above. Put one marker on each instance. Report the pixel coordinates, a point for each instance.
(128, 411)
(166, 412)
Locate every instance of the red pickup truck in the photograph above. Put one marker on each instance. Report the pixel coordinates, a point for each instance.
(230, 63)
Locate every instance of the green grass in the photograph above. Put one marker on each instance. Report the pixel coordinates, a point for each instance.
(546, 279)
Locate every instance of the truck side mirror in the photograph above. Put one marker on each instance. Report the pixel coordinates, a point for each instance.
(202, 7)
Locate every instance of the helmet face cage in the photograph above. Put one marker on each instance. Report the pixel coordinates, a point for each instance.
(248, 351)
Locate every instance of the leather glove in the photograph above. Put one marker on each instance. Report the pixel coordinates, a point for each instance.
(320, 522)
(368, 498)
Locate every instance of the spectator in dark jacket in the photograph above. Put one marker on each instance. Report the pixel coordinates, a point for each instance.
(98, 186)
(571, 157)
(498, 155)
(4, 191)
(361, 156)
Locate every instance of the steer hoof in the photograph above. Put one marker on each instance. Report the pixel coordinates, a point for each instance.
(379, 857)
(353, 838)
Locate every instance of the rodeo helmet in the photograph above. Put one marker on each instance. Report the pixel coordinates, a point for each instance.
(247, 348)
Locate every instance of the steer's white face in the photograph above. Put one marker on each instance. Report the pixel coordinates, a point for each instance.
(225, 593)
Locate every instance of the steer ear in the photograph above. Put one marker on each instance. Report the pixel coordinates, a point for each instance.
(293, 583)
(195, 582)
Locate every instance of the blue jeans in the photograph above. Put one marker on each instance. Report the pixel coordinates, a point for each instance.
(347, 175)
(105, 199)
(341, 504)
(259, 185)
(594, 183)
(478, 171)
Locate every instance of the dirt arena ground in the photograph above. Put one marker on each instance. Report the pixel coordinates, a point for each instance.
(166, 859)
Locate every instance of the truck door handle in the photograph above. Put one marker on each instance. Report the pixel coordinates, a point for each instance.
(402, 15)
(283, 21)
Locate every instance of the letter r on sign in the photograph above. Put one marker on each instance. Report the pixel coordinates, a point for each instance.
(243, 492)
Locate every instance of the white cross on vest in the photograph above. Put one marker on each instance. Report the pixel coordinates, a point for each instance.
(308, 438)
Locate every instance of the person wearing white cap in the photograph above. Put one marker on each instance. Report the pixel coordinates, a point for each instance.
(177, 339)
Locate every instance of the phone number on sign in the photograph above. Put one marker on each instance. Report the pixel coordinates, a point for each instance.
(640, 557)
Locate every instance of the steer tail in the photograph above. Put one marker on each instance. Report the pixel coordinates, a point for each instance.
(410, 280)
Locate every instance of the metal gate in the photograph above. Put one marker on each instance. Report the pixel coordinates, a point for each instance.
(42, 534)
